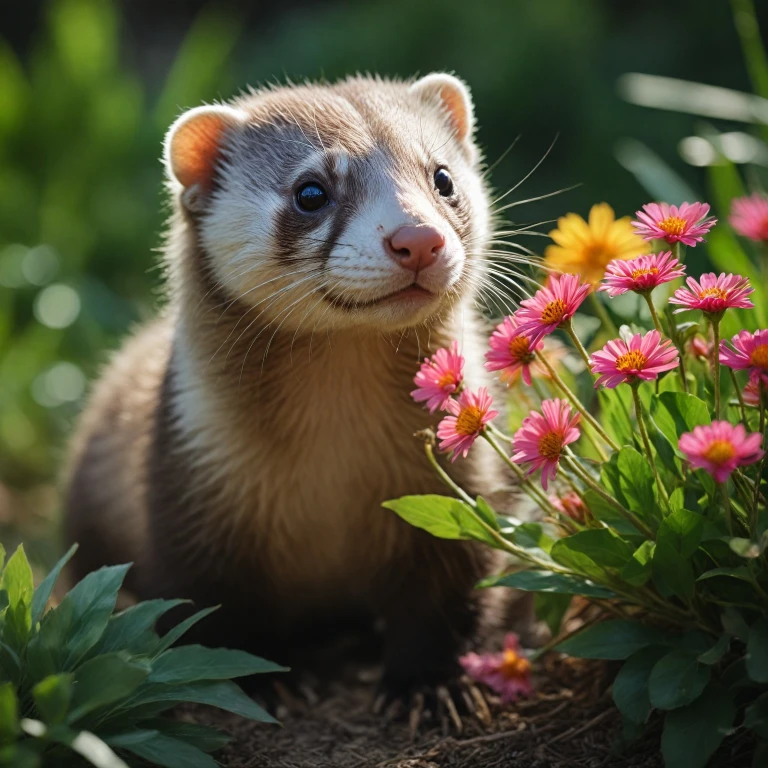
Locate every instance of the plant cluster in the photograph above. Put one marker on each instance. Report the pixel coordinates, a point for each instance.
(652, 493)
(80, 684)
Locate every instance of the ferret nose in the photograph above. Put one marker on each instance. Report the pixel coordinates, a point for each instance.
(415, 247)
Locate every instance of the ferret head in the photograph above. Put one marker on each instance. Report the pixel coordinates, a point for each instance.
(355, 204)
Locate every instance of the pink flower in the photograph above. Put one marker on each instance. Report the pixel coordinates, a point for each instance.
(542, 437)
(720, 448)
(439, 378)
(749, 216)
(508, 673)
(571, 505)
(642, 274)
(470, 413)
(714, 293)
(750, 352)
(553, 305)
(752, 392)
(645, 357)
(685, 224)
(700, 347)
(510, 353)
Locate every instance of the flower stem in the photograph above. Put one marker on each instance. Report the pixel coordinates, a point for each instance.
(574, 466)
(647, 443)
(678, 252)
(716, 362)
(445, 477)
(761, 391)
(602, 313)
(739, 396)
(673, 334)
(590, 419)
(723, 488)
(654, 315)
(568, 328)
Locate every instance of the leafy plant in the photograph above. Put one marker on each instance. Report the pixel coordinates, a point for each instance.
(79, 682)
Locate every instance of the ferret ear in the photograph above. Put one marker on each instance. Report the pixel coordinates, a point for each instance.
(193, 146)
(454, 97)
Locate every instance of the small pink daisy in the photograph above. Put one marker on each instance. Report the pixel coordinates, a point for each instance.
(542, 437)
(439, 378)
(571, 505)
(642, 274)
(720, 448)
(698, 346)
(714, 293)
(686, 224)
(553, 305)
(507, 673)
(645, 357)
(749, 216)
(510, 353)
(469, 415)
(750, 352)
(751, 393)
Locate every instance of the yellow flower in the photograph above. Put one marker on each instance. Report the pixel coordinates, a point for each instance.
(586, 247)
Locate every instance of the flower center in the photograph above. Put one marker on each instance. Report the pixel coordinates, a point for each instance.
(553, 312)
(513, 666)
(446, 380)
(673, 225)
(519, 349)
(641, 272)
(759, 356)
(470, 420)
(720, 451)
(550, 445)
(717, 293)
(631, 361)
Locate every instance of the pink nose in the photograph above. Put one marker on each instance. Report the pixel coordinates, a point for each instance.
(416, 247)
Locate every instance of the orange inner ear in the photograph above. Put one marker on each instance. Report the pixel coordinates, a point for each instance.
(454, 103)
(195, 149)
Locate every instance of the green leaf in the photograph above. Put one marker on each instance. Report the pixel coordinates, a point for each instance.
(741, 573)
(86, 744)
(532, 536)
(201, 736)
(486, 513)
(550, 607)
(9, 714)
(757, 651)
(636, 482)
(693, 733)
(735, 624)
(171, 753)
(133, 736)
(678, 412)
(671, 573)
(745, 548)
(676, 680)
(442, 516)
(17, 581)
(683, 530)
(638, 570)
(590, 552)
(105, 680)
(630, 688)
(756, 716)
(52, 697)
(43, 592)
(191, 663)
(607, 513)
(615, 407)
(173, 634)
(5, 601)
(717, 651)
(615, 639)
(546, 581)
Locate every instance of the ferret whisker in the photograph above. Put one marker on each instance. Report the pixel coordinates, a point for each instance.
(500, 159)
(527, 175)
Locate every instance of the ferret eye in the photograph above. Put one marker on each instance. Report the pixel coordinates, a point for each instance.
(443, 182)
(311, 196)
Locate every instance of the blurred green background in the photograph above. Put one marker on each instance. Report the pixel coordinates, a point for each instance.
(88, 87)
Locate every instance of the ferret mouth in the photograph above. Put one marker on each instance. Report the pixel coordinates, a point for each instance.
(411, 293)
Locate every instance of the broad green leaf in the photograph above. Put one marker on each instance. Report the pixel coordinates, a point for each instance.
(43, 592)
(682, 529)
(105, 680)
(672, 575)
(677, 412)
(442, 516)
(637, 482)
(9, 713)
(546, 581)
(717, 651)
(222, 694)
(741, 573)
(52, 697)
(201, 736)
(757, 651)
(615, 639)
(607, 513)
(615, 408)
(756, 716)
(486, 513)
(630, 688)
(133, 736)
(735, 624)
(173, 634)
(550, 607)
(191, 663)
(676, 680)
(17, 581)
(590, 552)
(171, 753)
(532, 536)
(693, 733)
(638, 570)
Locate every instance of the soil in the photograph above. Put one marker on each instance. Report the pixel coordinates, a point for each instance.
(570, 722)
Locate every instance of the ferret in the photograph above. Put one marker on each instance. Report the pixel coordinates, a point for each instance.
(323, 239)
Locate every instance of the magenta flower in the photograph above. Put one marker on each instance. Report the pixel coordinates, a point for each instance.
(510, 353)
(749, 353)
(642, 274)
(751, 393)
(720, 448)
(553, 305)
(686, 224)
(645, 357)
(469, 415)
(439, 378)
(700, 347)
(542, 437)
(507, 673)
(714, 293)
(749, 216)
(571, 505)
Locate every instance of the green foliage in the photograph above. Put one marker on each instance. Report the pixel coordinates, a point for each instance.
(81, 680)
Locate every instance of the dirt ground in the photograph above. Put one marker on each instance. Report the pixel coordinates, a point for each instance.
(569, 723)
